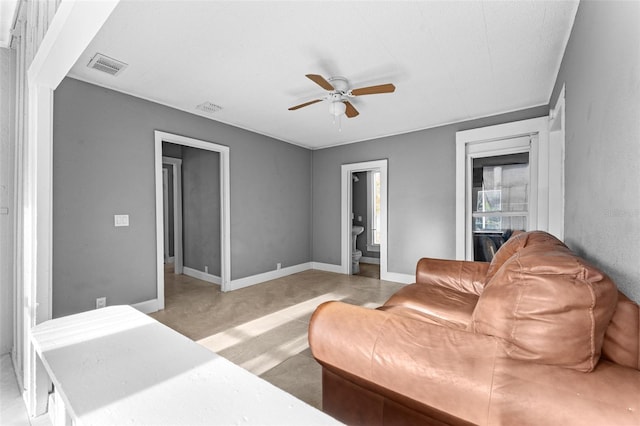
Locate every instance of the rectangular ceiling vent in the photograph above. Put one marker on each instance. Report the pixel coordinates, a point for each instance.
(209, 107)
(106, 64)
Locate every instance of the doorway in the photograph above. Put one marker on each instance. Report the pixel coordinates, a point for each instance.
(366, 217)
(172, 209)
(545, 173)
(500, 193)
(349, 218)
(224, 220)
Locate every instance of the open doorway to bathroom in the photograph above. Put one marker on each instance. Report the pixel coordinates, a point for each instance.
(365, 204)
(364, 234)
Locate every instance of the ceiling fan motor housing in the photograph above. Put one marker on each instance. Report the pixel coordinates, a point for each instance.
(340, 84)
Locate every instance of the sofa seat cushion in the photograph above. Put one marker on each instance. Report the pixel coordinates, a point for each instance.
(550, 307)
(434, 304)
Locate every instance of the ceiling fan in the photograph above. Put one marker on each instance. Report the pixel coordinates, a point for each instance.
(339, 94)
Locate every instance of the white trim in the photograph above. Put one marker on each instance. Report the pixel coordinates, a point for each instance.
(400, 278)
(213, 279)
(326, 267)
(491, 136)
(165, 211)
(176, 167)
(71, 30)
(371, 260)
(346, 209)
(557, 117)
(147, 307)
(268, 276)
(189, 111)
(292, 142)
(74, 25)
(225, 219)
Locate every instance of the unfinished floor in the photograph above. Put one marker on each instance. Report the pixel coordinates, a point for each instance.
(263, 328)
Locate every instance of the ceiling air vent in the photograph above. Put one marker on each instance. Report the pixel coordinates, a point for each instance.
(106, 64)
(209, 107)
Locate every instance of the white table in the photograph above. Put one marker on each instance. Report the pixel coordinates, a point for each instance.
(117, 366)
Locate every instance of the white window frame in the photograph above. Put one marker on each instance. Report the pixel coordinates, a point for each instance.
(491, 139)
(371, 209)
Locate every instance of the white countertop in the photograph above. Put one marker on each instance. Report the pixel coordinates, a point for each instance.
(117, 366)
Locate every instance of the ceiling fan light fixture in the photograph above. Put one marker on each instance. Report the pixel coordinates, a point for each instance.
(337, 108)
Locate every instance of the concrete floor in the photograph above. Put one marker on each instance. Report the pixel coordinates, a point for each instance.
(263, 328)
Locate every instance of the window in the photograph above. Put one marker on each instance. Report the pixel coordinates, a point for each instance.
(373, 202)
(501, 193)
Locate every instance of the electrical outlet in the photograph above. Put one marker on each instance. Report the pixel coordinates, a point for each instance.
(278, 265)
(121, 220)
(206, 269)
(101, 302)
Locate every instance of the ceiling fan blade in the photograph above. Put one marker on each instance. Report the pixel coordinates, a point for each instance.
(372, 90)
(320, 81)
(293, 108)
(351, 111)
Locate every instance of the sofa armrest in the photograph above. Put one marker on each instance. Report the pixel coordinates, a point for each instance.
(439, 369)
(459, 275)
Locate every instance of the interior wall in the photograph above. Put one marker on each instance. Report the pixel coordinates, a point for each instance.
(421, 191)
(601, 71)
(201, 210)
(7, 210)
(103, 162)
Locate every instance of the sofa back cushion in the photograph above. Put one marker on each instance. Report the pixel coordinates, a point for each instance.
(622, 338)
(518, 241)
(549, 306)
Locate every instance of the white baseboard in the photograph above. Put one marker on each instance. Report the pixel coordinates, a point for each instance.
(147, 306)
(398, 278)
(267, 276)
(372, 260)
(150, 306)
(213, 279)
(327, 267)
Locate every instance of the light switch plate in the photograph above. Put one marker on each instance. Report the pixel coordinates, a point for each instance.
(121, 220)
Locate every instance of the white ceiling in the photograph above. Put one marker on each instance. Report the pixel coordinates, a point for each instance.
(7, 14)
(450, 61)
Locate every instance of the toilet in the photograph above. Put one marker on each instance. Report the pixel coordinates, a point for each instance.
(355, 253)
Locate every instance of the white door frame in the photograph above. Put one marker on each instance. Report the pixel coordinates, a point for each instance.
(546, 176)
(165, 210)
(556, 166)
(72, 28)
(346, 209)
(225, 218)
(176, 167)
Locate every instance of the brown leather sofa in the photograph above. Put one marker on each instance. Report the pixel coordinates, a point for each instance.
(536, 337)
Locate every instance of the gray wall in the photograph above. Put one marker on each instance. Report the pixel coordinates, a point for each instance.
(421, 191)
(201, 209)
(601, 70)
(7, 121)
(103, 155)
